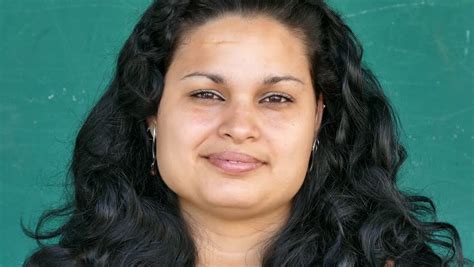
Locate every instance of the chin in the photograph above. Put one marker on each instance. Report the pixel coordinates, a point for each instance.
(230, 200)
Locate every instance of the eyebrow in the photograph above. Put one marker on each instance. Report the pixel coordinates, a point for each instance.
(216, 78)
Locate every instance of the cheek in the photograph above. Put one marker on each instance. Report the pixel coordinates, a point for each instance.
(291, 153)
(180, 132)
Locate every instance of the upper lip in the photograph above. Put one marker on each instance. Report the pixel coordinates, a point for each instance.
(234, 156)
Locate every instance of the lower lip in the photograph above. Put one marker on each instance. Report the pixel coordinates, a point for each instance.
(233, 167)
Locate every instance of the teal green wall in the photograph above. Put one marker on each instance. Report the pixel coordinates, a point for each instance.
(56, 58)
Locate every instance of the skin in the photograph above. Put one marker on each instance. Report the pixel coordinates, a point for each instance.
(231, 216)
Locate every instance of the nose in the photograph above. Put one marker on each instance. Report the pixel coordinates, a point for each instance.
(239, 123)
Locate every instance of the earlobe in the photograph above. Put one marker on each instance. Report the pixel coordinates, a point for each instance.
(320, 106)
(151, 122)
(151, 126)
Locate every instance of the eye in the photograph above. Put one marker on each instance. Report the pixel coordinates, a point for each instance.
(206, 95)
(278, 98)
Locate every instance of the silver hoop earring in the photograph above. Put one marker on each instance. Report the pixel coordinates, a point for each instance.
(313, 151)
(153, 147)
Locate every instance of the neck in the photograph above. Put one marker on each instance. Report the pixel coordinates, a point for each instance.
(223, 241)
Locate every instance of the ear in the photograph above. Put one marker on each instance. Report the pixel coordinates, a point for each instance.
(151, 122)
(319, 113)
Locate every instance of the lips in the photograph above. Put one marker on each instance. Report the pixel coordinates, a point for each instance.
(234, 156)
(234, 162)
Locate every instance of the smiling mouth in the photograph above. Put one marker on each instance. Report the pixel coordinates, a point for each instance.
(234, 167)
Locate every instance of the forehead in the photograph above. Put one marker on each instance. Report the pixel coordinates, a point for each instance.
(249, 46)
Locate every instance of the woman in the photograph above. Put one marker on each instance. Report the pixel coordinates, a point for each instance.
(269, 144)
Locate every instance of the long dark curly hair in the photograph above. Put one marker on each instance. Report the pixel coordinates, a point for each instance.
(348, 212)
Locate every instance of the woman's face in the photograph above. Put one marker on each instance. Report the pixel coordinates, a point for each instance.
(237, 118)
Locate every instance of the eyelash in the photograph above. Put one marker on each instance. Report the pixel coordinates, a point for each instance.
(286, 98)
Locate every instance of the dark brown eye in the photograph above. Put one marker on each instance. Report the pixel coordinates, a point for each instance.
(277, 98)
(206, 94)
